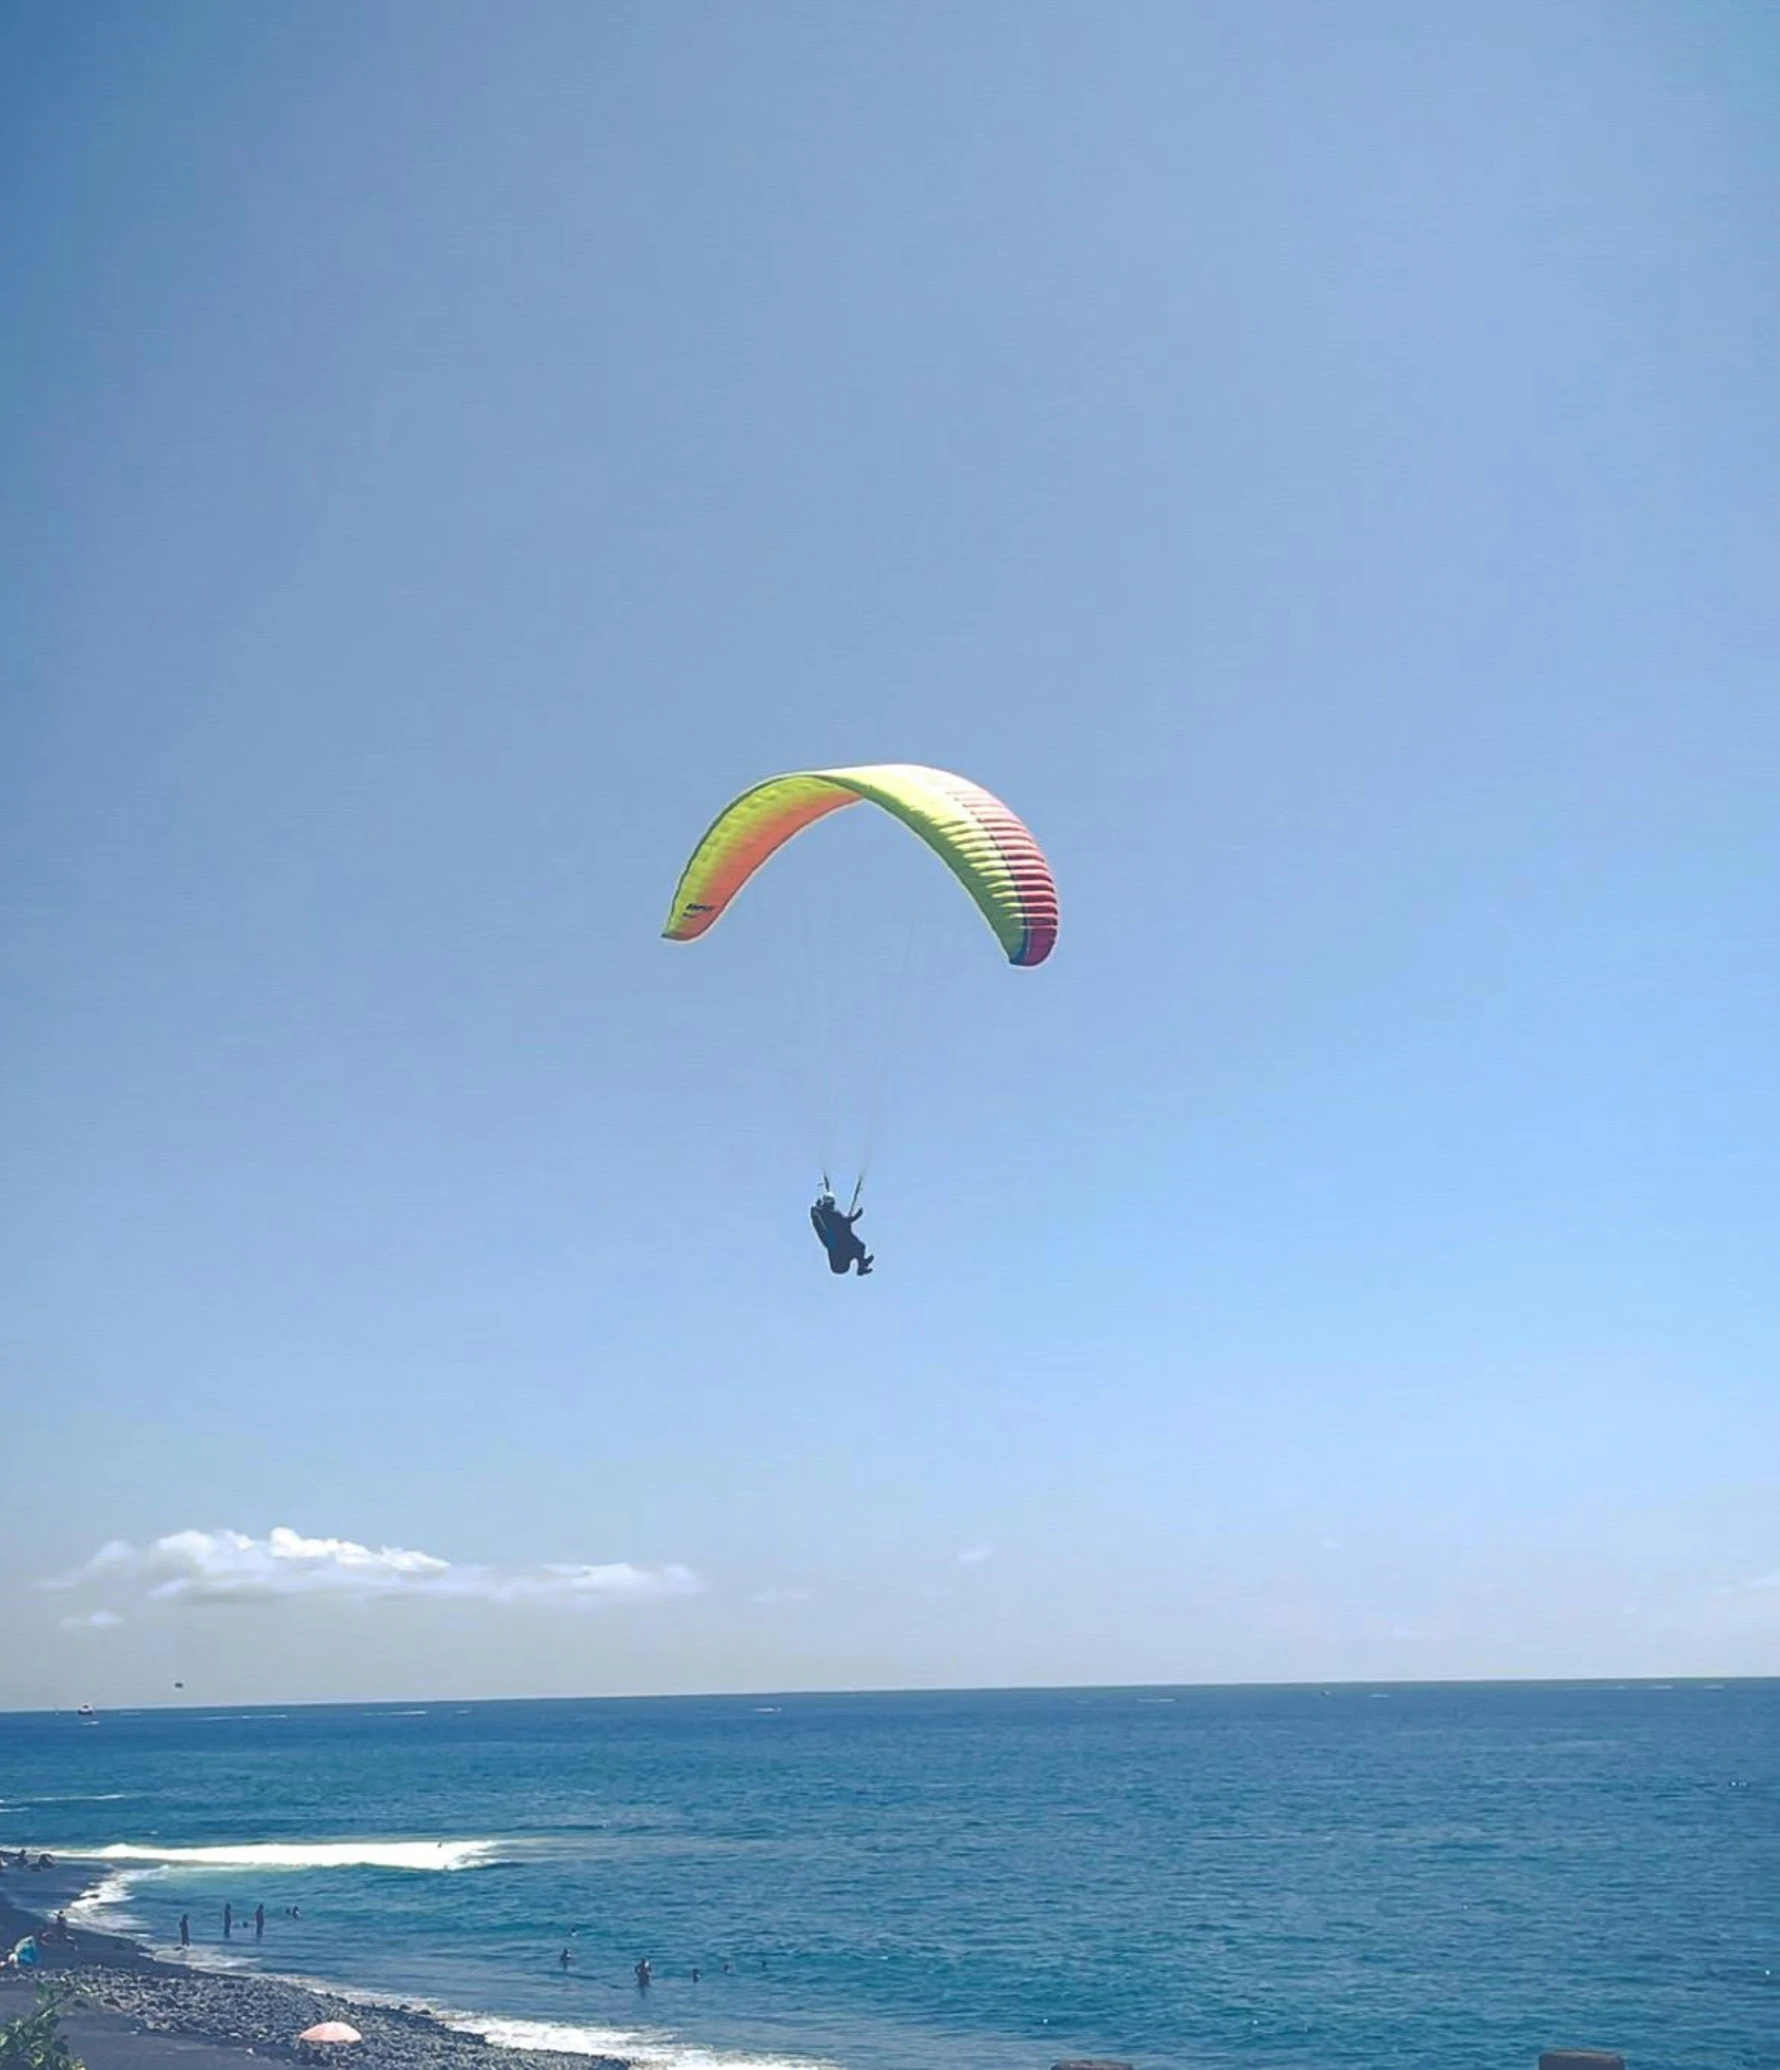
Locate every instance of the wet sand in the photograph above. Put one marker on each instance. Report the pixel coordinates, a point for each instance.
(137, 2012)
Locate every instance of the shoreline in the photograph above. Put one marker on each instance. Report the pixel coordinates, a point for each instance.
(138, 2011)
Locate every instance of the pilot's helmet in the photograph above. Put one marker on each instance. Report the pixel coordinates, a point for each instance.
(825, 1200)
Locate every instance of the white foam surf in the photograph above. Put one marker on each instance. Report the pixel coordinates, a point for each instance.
(104, 1906)
(430, 1855)
(73, 1797)
(657, 2051)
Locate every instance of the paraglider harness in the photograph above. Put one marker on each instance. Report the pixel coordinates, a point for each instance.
(834, 1230)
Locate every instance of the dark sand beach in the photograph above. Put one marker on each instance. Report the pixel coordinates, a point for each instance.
(137, 2012)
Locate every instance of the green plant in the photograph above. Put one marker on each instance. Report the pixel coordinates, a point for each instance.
(35, 2041)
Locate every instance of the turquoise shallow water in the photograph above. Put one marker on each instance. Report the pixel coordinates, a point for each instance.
(1302, 1879)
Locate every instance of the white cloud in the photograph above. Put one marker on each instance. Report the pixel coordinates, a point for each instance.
(114, 1555)
(93, 1621)
(616, 1580)
(975, 1555)
(231, 1567)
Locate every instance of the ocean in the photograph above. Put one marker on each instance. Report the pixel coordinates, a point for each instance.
(1445, 1877)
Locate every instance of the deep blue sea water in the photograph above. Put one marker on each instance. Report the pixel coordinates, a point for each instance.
(1300, 1879)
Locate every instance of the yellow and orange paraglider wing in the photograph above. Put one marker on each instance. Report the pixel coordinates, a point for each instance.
(987, 847)
(741, 838)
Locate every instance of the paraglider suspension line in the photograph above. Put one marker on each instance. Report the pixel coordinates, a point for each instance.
(896, 1007)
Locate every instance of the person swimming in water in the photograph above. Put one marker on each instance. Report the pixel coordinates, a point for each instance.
(834, 1230)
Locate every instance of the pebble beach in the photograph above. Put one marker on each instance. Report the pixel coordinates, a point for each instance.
(134, 2011)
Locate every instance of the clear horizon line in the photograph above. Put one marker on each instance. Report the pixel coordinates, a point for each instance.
(940, 1689)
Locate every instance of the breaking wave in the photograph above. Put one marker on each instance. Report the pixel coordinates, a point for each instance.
(647, 2051)
(430, 1855)
(104, 1906)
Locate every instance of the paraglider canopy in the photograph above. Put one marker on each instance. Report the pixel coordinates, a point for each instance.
(986, 847)
(840, 1059)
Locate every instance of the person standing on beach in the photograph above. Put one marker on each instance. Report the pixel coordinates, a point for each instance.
(259, 1922)
(185, 1929)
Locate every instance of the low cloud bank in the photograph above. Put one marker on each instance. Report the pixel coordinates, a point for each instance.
(231, 1567)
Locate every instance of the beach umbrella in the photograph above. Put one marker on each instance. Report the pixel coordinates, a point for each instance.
(331, 2030)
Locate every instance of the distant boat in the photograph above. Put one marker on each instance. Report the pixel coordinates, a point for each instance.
(86, 1714)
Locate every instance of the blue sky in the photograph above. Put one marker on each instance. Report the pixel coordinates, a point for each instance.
(1318, 464)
